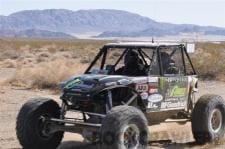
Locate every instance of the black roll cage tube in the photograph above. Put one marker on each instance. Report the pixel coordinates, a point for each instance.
(184, 64)
(189, 59)
(103, 59)
(117, 62)
(95, 60)
(183, 53)
(142, 54)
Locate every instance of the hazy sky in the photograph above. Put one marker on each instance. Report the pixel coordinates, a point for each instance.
(202, 12)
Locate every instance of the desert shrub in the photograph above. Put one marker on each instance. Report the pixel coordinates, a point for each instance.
(8, 63)
(9, 54)
(44, 63)
(209, 60)
(85, 59)
(46, 75)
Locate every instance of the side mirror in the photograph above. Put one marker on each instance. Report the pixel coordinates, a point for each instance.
(190, 47)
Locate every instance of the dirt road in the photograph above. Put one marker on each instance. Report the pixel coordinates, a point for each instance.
(180, 136)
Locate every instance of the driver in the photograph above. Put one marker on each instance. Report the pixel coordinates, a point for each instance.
(133, 65)
(168, 64)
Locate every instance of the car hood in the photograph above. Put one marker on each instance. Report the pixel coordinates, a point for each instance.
(90, 82)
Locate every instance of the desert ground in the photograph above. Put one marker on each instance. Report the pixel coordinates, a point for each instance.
(30, 70)
(175, 135)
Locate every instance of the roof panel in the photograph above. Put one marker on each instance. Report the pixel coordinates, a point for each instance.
(140, 44)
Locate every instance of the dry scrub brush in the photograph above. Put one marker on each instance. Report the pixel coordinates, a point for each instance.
(46, 75)
(209, 60)
(45, 63)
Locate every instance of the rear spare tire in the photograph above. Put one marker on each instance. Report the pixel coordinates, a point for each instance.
(124, 127)
(208, 119)
(29, 126)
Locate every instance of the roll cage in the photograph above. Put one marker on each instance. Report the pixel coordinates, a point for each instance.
(157, 49)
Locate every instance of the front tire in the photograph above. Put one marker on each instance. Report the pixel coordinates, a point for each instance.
(29, 126)
(208, 119)
(91, 136)
(124, 127)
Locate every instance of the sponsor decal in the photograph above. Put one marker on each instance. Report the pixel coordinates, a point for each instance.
(155, 98)
(176, 91)
(152, 105)
(175, 99)
(144, 95)
(153, 90)
(173, 86)
(167, 105)
(140, 80)
(141, 88)
(72, 83)
(177, 79)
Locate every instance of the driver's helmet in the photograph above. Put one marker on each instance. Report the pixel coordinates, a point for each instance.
(168, 64)
(165, 59)
(132, 58)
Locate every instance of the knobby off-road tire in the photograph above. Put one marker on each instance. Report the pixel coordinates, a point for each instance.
(124, 127)
(29, 124)
(208, 119)
(91, 136)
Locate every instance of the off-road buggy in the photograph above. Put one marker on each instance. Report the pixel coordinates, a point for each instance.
(127, 87)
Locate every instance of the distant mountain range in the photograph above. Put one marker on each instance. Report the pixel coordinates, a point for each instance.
(171, 30)
(61, 23)
(35, 33)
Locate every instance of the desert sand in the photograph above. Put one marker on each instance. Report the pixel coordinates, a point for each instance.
(165, 135)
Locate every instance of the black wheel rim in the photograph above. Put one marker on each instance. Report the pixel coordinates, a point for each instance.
(42, 127)
(130, 137)
(216, 120)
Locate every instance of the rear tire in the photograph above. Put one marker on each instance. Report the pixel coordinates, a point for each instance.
(208, 119)
(124, 127)
(29, 124)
